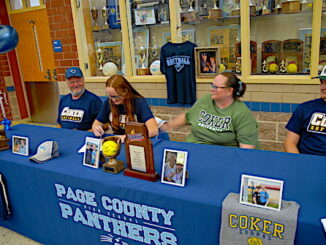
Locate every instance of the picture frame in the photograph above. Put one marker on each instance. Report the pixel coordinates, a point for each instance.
(20, 145)
(174, 166)
(145, 16)
(92, 152)
(207, 61)
(225, 37)
(187, 34)
(261, 192)
(114, 53)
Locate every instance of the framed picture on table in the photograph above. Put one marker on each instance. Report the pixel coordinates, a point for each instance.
(207, 61)
(92, 152)
(261, 192)
(20, 145)
(174, 167)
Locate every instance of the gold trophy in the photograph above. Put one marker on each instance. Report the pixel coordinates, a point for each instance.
(265, 10)
(104, 12)
(215, 12)
(100, 55)
(277, 6)
(236, 10)
(94, 13)
(110, 149)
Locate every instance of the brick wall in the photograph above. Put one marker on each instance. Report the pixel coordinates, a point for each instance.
(4, 75)
(62, 28)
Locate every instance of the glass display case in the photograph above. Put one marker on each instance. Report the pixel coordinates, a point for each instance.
(261, 40)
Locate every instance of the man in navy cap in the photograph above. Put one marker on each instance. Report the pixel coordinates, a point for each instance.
(307, 126)
(79, 109)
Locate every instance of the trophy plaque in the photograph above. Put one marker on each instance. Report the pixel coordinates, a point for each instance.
(110, 150)
(139, 152)
(291, 7)
(3, 140)
(215, 12)
(236, 10)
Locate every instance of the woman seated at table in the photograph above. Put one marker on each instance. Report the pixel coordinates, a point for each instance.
(124, 104)
(220, 117)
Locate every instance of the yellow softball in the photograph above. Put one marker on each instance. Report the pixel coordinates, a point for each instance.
(273, 68)
(109, 148)
(292, 68)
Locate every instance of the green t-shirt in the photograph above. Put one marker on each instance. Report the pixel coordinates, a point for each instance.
(228, 126)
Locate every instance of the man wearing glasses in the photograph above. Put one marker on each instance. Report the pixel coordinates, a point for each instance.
(307, 126)
(79, 108)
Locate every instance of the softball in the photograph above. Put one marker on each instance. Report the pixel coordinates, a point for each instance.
(110, 148)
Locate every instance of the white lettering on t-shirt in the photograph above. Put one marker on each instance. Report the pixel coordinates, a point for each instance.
(317, 123)
(71, 115)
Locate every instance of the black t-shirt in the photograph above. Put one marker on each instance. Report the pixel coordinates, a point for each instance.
(178, 65)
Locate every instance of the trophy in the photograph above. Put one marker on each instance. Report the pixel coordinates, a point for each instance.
(104, 12)
(139, 152)
(190, 3)
(291, 6)
(236, 10)
(264, 67)
(265, 10)
(142, 54)
(282, 67)
(277, 6)
(100, 55)
(110, 149)
(252, 8)
(3, 140)
(190, 14)
(238, 65)
(94, 13)
(215, 12)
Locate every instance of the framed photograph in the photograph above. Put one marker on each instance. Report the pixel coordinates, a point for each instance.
(145, 16)
(92, 152)
(207, 60)
(20, 145)
(174, 167)
(113, 53)
(261, 192)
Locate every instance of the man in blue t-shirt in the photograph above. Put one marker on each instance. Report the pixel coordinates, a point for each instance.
(79, 109)
(307, 126)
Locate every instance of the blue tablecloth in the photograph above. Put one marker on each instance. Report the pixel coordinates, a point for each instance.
(63, 202)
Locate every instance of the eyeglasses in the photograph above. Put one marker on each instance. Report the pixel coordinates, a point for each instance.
(114, 97)
(216, 87)
(72, 82)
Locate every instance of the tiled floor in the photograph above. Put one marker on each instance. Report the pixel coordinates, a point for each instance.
(8, 237)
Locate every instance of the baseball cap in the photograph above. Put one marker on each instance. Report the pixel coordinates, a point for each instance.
(74, 72)
(46, 151)
(322, 75)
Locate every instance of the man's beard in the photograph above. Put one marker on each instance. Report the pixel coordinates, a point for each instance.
(77, 94)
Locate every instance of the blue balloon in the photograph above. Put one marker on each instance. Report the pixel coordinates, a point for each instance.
(8, 38)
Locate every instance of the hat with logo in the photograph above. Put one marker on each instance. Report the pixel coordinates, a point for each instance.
(74, 72)
(46, 151)
(322, 75)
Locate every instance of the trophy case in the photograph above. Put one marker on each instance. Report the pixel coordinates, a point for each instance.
(129, 34)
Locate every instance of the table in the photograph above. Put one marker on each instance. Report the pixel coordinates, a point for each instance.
(63, 202)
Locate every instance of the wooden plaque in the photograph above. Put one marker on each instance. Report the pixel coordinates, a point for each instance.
(292, 51)
(271, 51)
(291, 7)
(139, 152)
